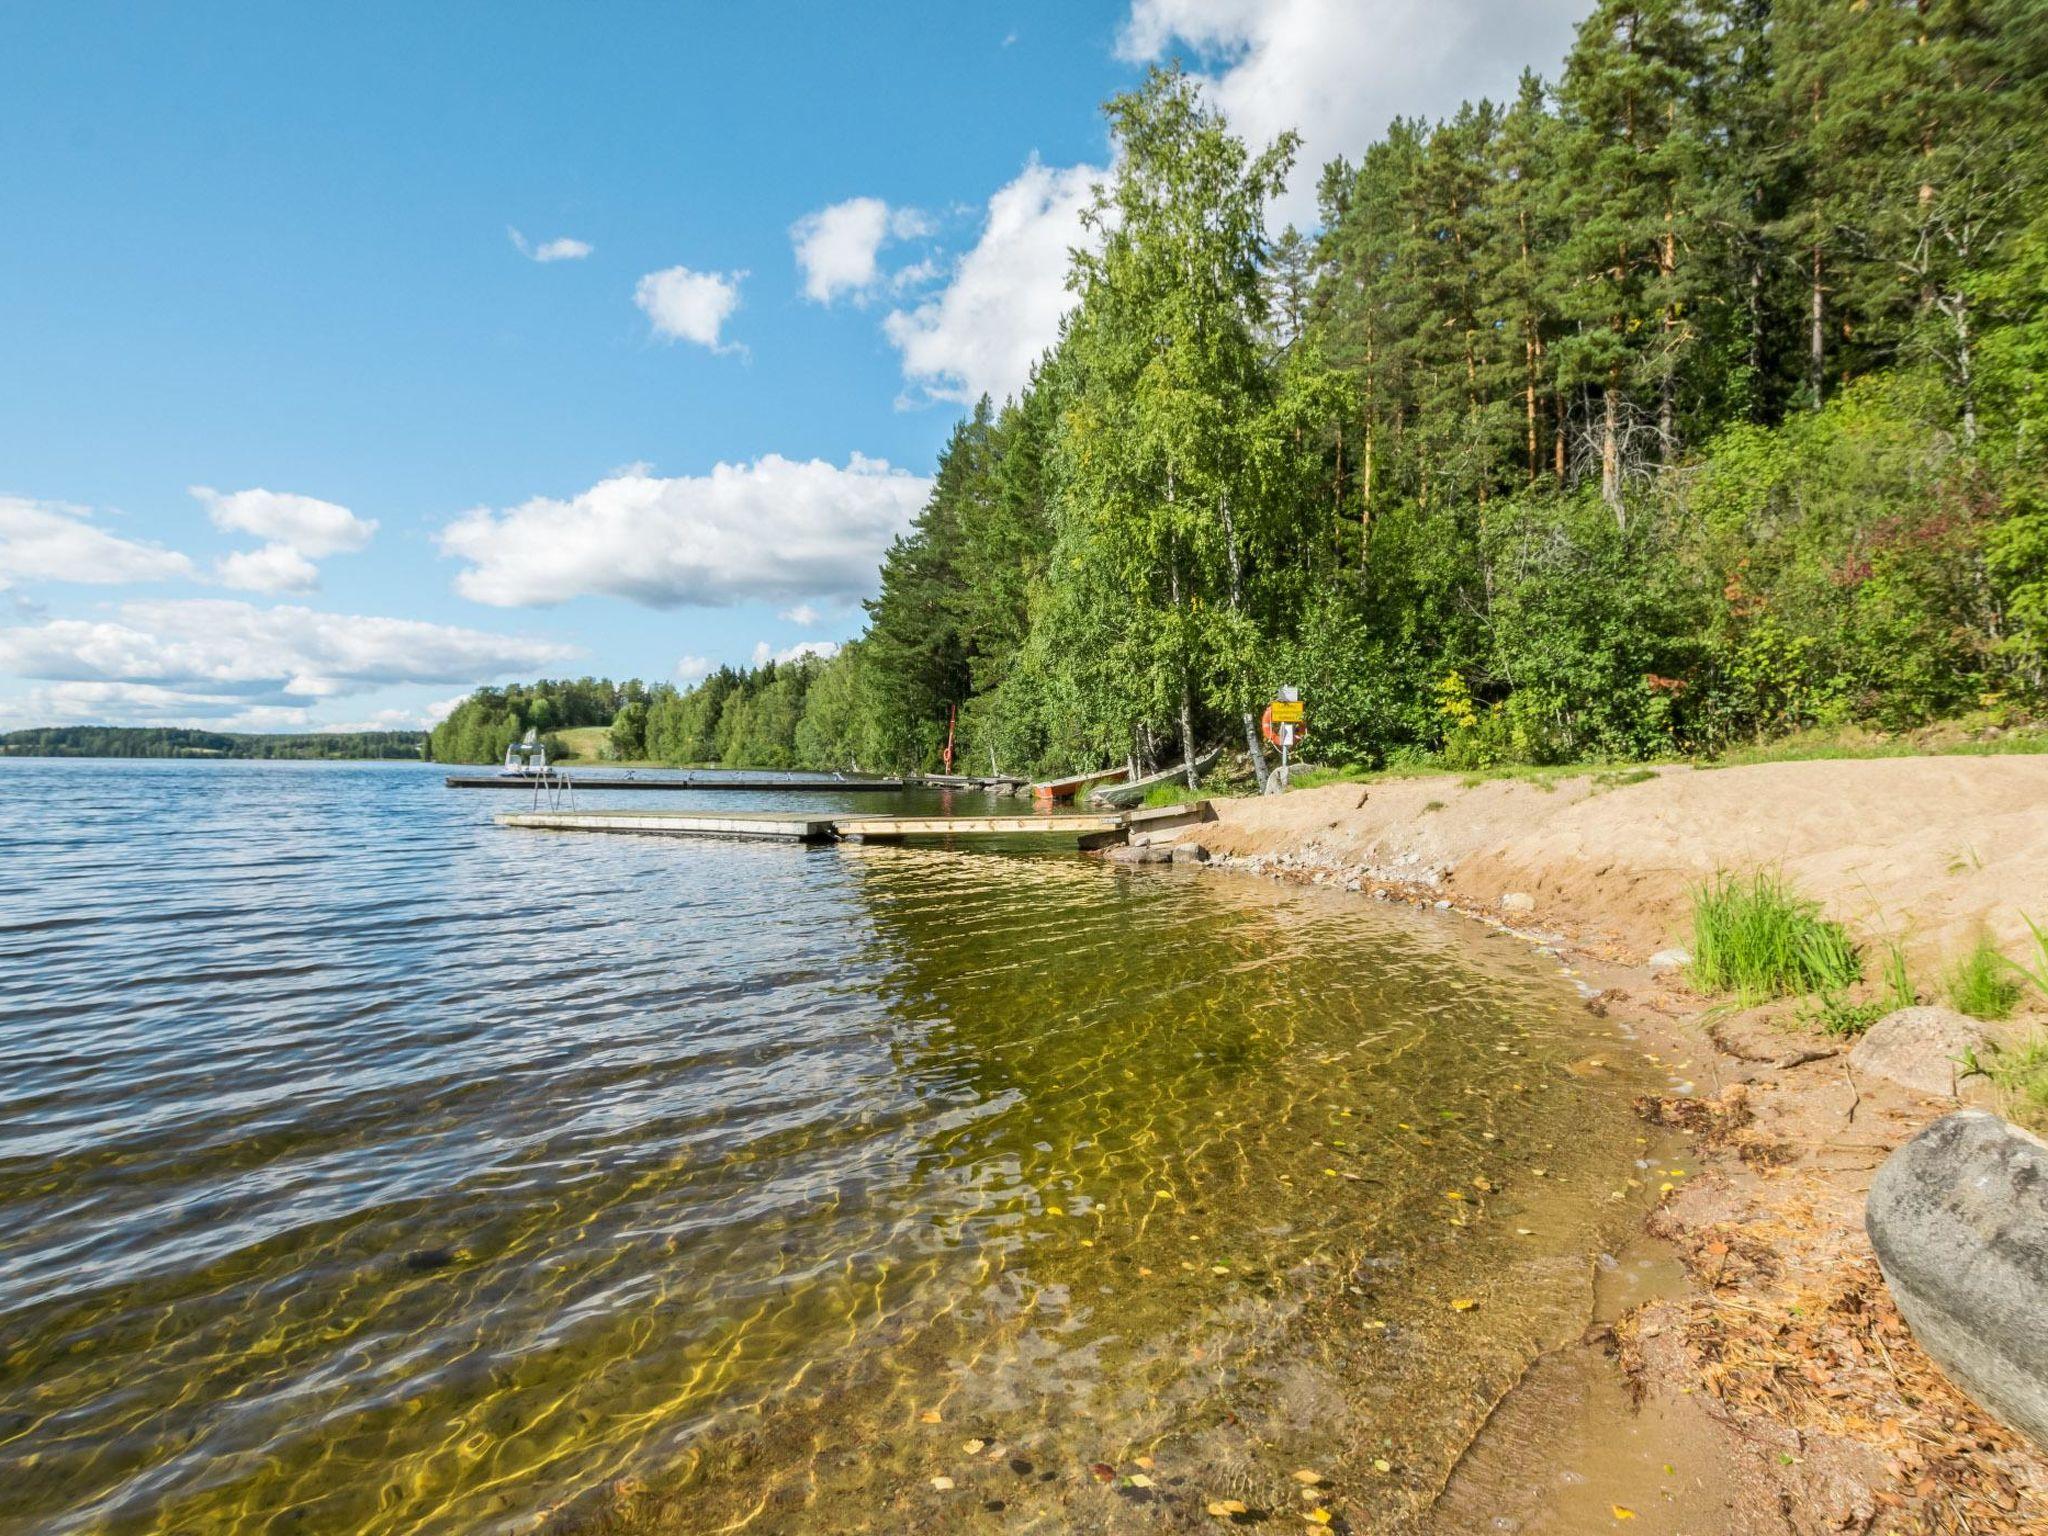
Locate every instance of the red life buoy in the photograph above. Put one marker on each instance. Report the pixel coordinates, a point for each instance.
(1271, 731)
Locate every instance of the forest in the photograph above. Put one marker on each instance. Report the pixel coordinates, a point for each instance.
(169, 741)
(1693, 398)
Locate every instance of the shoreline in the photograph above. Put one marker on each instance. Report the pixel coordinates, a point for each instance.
(1779, 1358)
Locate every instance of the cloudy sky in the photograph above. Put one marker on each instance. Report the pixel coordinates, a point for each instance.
(353, 356)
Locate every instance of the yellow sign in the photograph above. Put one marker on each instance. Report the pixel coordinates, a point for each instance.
(1285, 713)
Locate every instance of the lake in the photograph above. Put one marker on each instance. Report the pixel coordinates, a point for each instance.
(366, 1167)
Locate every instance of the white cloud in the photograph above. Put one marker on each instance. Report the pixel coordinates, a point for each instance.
(690, 306)
(273, 568)
(562, 249)
(306, 524)
(838, 248)
(1340, 70)
(217, 658)
(1002, 303)
(693, 669)
(297, 528)
(774, 530)
(54, 541)
(802, 613)
(824, 650)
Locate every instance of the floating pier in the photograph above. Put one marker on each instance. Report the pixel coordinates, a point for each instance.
(1088, 831)
(609, 781)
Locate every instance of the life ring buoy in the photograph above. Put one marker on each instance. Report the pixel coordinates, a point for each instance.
(1271, 731)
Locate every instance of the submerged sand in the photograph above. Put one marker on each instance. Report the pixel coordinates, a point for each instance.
(1778, 1391)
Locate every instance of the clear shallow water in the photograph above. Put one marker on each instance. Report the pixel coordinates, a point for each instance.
(365, 1167)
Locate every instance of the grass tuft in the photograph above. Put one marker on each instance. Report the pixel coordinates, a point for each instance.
(1898, 986)
(1757, 939)
(1982, 983)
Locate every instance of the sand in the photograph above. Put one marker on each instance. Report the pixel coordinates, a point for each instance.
(1922, 849)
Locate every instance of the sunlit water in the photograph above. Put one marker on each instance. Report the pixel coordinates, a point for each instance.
(366, 1167)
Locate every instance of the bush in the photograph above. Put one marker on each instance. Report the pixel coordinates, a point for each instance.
(1758, 940)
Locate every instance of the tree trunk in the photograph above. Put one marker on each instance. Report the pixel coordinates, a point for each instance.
(1187, 726)
(1365, 500)
(1255, 749)
(1610, 446)
(1817, 343)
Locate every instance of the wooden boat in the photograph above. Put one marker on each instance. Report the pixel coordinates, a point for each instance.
(1074, 784)
(1132, 791)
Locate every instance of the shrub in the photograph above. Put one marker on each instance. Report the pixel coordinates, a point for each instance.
(1757, 939)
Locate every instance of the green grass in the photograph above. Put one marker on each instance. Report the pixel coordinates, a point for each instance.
(1757, 939)
(1898, 986)
(1175, 794)
(2021, 1077)
(1982, 983)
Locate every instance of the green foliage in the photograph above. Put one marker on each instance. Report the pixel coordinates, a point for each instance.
(1756, 939)
(1690, 402)
(1981, 982)
(482, 726)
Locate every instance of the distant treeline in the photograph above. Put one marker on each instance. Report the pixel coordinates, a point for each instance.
(780, 715)
(163, 741)
(483, 725)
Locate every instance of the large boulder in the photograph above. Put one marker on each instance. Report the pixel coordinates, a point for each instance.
(1922, 1049)
(1959, 1219)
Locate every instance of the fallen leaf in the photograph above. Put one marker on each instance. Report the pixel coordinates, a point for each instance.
(1319, 1515)
(1308, 1478)
(1483, 1185)
(1144, 1461)
(1381, 1464)
(1139, 1480)
(1623, 1512)
(930, 1416)
(1104, 1472)
(1223, 1509)
(973, 1447)
(1464, 1304)
(1053, 1210)
(1454, 1194)
(942, 1482)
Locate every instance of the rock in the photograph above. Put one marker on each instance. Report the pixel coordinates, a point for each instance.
(1920, 1049)
(1959, 1219)
(1138, 853)
(1673, 959)
(1190, 853)
(1518, 901)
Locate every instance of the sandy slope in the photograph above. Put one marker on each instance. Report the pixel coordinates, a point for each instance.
(1924, 848)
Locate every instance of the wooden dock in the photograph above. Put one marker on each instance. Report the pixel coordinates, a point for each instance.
(1089, 830)
(672, 781)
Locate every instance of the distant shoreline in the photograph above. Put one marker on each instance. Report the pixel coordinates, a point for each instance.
(105, 741)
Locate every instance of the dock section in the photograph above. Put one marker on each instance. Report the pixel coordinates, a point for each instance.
(653, 781)
(1088, 831)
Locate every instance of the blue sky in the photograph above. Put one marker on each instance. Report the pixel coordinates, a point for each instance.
(358, 355)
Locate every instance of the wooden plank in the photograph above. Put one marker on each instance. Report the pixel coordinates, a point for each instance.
(977, 826)
(791, 829)
(1089, 829)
